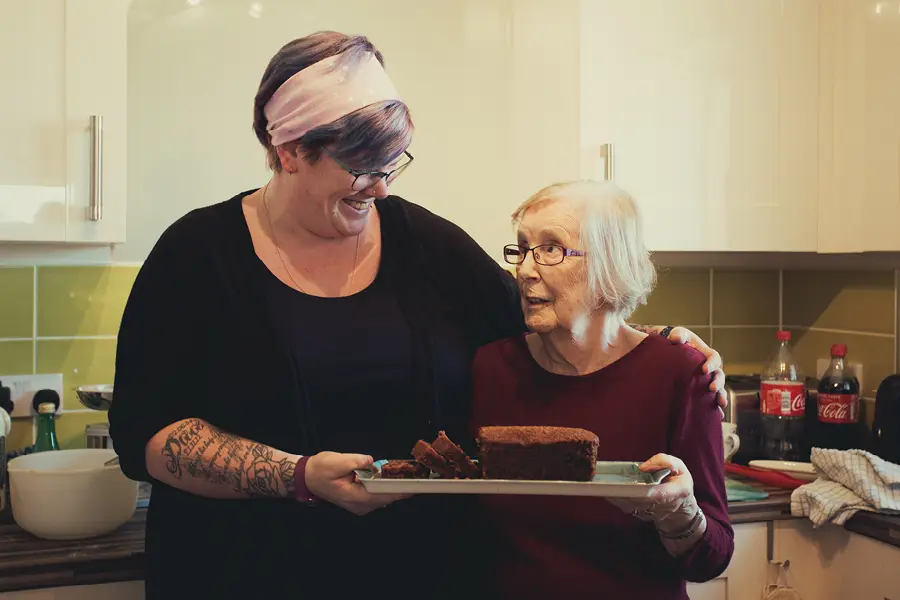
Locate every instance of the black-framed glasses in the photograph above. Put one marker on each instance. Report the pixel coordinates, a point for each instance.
(548, 255)
(365, 179)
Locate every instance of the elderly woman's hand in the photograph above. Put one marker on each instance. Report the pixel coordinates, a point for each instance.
(671, 506)
(330, 476)
(713, 363)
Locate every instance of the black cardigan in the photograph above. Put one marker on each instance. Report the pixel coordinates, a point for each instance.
(196, 340)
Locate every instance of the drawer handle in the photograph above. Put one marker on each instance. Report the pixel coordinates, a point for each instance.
(609, 162)
(96, 168)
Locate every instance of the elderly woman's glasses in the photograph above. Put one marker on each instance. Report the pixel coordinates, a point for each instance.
(545, 254)
(365, 179)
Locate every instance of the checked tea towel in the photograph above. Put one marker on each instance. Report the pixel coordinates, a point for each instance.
(849, 481)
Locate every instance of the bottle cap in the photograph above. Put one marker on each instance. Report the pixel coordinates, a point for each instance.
(783, 336)
(839, 350)
(46, 408)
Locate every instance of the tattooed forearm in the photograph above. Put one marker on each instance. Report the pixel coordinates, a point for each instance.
(195, 450)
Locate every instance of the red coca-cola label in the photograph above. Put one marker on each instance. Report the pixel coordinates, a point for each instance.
(782, 398)
(839, 408)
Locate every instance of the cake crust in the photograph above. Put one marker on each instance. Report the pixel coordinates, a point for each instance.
(528, 435)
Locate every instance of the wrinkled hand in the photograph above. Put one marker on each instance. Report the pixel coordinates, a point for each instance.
(713, 363)
(671, 506)
(330, 476)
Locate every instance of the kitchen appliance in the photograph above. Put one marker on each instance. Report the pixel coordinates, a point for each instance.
(742, 393)
(886, 422)
(98, 498)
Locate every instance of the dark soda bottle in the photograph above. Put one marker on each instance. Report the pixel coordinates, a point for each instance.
(782, 404)
(837, 405)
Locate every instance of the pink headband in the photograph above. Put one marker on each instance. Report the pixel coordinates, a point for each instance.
(321, 94)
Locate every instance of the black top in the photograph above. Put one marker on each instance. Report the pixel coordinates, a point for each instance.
(204, 334)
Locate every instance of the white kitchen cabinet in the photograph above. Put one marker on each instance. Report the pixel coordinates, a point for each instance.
(860, 208)
(711, 109)
(830, 563)
(128, 590)
(62, 62)
(746, 575)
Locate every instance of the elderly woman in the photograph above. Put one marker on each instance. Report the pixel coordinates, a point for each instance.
(582, 268)
(276, 341)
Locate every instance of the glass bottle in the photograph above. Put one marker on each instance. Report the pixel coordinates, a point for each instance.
(46, 433)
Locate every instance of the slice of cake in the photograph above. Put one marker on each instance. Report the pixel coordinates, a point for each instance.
(538, 453)
(465, 468)
(427, 456)
(404, 469)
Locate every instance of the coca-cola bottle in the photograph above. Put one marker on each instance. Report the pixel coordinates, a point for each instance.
(837, 414)
(782, 404)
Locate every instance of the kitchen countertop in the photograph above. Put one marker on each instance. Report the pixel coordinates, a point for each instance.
(27, 562)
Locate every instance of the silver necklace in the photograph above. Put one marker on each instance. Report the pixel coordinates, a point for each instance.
(278, 249)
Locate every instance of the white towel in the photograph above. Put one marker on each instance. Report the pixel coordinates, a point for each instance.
(849, 481)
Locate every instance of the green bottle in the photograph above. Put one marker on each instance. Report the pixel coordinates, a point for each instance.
(46, 433)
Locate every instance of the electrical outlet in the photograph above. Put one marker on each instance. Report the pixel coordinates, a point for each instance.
(24, 387)
(857, 368)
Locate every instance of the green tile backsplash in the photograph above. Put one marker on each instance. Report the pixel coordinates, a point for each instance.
(17, 302)
(821, 307)
(847, 300)
(82, 301)
(78, 309)
(81, 362)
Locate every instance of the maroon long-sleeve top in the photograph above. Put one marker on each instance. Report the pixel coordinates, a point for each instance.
(654, 399)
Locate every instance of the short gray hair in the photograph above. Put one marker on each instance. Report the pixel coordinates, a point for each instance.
(368, 138)
(620, 274)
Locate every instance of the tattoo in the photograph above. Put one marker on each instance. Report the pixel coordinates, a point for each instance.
(208, 453)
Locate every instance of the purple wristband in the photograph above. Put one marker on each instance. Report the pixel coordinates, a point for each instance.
(301, 492)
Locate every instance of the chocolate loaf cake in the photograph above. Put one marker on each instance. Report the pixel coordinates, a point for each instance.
(404, 469)
(465, 468)
(537, 453)
(427, 456)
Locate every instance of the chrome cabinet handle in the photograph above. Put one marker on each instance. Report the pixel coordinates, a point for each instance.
(609, 162)
(96, 168)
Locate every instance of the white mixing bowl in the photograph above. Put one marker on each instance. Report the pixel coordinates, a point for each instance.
(70, 494)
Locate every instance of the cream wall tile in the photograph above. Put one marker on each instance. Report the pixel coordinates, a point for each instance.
(82, 301)
(16, 302)
(81, 362)
(17, 358)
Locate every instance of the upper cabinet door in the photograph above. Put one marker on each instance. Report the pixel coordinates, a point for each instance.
(710, 110)
(96, 99)
(62, 62)
(861, 203)
(32, 121)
